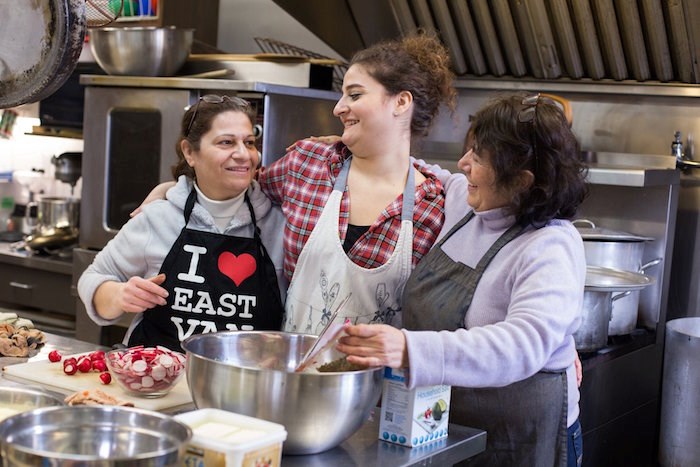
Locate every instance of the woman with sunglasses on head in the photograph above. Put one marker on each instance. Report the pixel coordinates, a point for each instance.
(492, 308)
(209, 257)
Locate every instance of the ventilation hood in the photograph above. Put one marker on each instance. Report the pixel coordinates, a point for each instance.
(645, 41)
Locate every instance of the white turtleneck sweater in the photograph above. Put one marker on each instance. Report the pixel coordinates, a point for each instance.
(221, 211)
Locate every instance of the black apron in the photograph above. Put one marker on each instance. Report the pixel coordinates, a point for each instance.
(215, 283)
(525, 421)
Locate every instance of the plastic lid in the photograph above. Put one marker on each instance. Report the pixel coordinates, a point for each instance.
(7, 202)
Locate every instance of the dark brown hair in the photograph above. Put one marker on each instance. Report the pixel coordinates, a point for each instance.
(192, 131)
(419, 64)
(544, 144)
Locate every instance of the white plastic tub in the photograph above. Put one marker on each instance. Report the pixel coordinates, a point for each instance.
(226, 439)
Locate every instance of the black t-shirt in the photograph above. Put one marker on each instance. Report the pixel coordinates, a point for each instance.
(354, 233)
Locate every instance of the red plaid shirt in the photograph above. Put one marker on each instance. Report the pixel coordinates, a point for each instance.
(302, 181)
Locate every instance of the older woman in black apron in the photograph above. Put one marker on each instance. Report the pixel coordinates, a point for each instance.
(492, 309)
(209, 257)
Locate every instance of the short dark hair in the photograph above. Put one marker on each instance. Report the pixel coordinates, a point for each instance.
(543, 144)
(192, 131)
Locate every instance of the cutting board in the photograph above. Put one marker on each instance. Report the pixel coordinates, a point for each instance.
(51, 376)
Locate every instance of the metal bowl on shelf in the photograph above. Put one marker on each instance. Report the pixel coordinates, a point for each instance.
(92, 436)
(254, 374)
(141, 51)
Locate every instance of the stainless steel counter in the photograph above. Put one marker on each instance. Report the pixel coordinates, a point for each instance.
(361, 449)
(364, 449)
(26, 259)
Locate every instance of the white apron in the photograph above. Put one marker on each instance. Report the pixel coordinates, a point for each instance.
(324, 275)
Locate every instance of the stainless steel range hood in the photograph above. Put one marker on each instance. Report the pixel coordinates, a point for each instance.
(645, 40)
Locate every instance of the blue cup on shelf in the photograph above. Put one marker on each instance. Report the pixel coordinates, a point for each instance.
(144, 8)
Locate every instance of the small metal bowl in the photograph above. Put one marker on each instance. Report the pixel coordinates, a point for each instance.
(141, 51)
(18, 399)
(90, 436)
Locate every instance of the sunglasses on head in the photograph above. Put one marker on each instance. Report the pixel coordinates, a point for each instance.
(214, 99)
(528, 114)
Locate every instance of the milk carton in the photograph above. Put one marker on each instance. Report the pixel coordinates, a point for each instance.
(412, 417)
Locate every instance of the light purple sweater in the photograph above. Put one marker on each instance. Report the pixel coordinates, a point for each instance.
(525, 309)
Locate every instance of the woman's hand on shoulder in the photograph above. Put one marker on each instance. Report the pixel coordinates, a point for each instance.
(579, 370)
(330, 139)
(155, 194)
(374, 345)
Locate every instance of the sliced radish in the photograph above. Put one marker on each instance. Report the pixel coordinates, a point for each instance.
(146, 369)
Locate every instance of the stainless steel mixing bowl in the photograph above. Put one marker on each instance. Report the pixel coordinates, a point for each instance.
(141, 51)
(19, 399)
(91, 436)
(252, 373)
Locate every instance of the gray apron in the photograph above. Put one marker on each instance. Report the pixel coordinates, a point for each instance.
(525, 421)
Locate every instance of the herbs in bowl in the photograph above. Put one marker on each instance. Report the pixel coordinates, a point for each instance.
(146, 371)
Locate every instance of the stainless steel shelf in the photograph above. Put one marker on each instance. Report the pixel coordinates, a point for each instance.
(635, 170)
(584, 86)
(634, 177)
(175, 82)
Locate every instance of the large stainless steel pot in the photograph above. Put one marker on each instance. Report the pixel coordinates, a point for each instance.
(58, 212)
(57, 224)
(618, 250)
(604, 286)
(592, 335)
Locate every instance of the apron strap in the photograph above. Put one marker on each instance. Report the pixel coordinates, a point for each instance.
(269, 266)
(456, 227)
(514, 230)
(189, 204)
(256, 229)
(192, 198)
(409, 195)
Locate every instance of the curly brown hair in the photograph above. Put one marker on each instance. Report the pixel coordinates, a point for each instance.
(419, 64)
(516, 132)
(196, 122)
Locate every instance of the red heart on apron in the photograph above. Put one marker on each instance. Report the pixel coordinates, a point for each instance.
(237, 268)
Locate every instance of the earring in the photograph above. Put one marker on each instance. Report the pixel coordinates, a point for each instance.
(396, 114)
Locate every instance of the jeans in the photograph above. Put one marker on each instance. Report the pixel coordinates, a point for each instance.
(574, 446)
